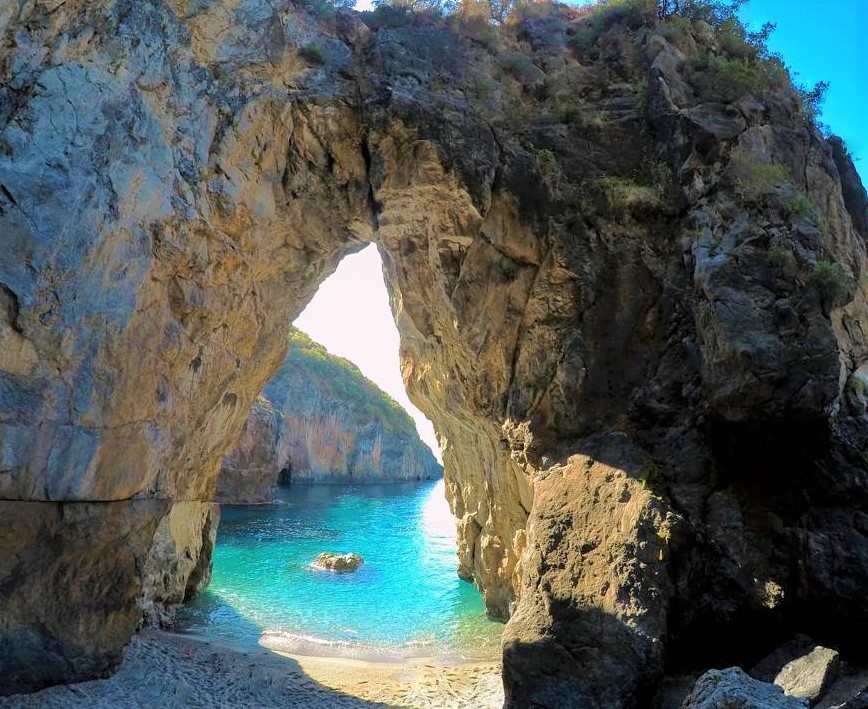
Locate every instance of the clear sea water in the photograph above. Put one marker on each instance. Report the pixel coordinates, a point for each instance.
(405, 601)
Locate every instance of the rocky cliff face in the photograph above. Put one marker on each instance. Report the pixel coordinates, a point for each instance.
(628, 284)
(322, 422)
(249, 473)
(338, 426)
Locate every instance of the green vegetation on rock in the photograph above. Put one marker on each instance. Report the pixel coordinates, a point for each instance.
(337, 379)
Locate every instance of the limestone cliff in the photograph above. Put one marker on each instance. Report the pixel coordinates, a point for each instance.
(629, 289)
(338, 426)
(321, 421)
(250, 472)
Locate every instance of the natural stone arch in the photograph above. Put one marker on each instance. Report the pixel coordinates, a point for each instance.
(177, 183)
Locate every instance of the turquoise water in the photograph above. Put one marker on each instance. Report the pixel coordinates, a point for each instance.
(405, 600)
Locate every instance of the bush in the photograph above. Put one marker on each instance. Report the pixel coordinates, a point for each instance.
(632, 13)
(676, 30)
(549, 170)
(812, 100)
(481, 89)
(323, 10)
(752, 179)
(727, 80)
(800, 207)
(565, 89)
(619, 196)
(480, 30)
(386, 16)
(520, 67)
(833, 283)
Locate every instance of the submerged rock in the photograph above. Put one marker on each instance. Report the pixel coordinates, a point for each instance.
(338, 562)
(733, 688)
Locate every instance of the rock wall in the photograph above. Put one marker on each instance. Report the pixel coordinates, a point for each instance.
(324, 423)
(339, 427)
(249, 473)
(629, 289)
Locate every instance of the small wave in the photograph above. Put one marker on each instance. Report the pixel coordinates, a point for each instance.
(304, 644)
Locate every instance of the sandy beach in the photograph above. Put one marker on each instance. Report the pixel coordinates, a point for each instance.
(163, 669)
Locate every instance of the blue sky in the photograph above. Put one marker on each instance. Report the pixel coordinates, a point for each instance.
(350, 317)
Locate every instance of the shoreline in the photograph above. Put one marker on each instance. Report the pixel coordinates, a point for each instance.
(371, 656)
(180, 669)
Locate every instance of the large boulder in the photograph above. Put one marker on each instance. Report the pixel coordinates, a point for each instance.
(732, 688)
(810, 675)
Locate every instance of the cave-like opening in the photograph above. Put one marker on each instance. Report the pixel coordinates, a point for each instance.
(346, 472)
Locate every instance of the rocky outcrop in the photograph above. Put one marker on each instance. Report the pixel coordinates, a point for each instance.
(573, 640)
(637, 274)
(338, 427)
(339, 563)
(72, 618)
(249, 474)
(733, 689)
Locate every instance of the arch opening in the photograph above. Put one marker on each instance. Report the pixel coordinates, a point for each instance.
(354, 476)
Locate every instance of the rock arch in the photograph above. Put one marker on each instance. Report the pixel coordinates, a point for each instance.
(177, 180)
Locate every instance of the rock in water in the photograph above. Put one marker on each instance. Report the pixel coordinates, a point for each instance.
(734, 689)
(338, 562)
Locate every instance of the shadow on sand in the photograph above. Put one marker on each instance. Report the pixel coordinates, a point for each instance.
(167, 669)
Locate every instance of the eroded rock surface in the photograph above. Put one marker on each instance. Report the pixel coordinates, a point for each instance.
(249, 474)
(608, 245)
(733, 689)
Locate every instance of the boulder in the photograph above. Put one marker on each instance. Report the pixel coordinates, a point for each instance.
(339, 563)
(800, 667)
(732, 688)
(771, 665)
(809, 676)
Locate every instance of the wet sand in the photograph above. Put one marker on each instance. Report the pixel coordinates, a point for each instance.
(162, 669)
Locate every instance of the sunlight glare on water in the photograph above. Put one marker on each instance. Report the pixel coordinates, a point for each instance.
(405, 600)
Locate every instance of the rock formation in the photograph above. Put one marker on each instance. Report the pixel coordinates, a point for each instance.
(629, 289)
(733, 689)
(340, 563)
(330, 425)
(338, 426)
(249, 474)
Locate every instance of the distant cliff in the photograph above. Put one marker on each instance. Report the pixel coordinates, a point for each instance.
(339, 426)
(321, 421)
